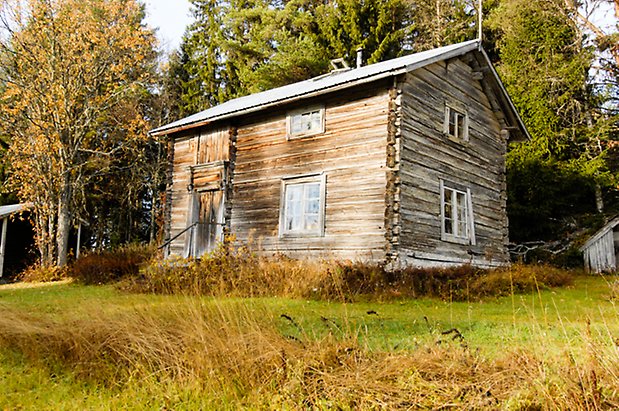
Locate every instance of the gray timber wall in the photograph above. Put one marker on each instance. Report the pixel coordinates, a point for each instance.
(191, 148)
(600, 255)
(427, 155)
(351, 153)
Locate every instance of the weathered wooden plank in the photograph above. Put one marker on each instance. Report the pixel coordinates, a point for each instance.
(428, 91)
(324, 160)
(198, 146)
(428, 156)
(351, 153)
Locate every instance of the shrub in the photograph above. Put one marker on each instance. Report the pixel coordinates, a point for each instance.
(230, 271)
(41, 273)
(457, 283)
(106, 266)
(519, 278)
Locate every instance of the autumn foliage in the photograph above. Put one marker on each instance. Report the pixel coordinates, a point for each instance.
(74, 73)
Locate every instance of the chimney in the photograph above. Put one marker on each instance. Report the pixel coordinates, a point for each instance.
(359, 57)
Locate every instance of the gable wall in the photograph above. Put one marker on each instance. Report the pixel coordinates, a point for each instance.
(194, 147)
(427, 156)
(351, 153)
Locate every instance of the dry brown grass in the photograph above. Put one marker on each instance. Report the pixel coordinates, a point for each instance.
(234, 352)
(42, 274)
(105, 266)
(239, 272)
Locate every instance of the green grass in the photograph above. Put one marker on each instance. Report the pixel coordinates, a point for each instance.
(548, 323)
(401, 324)
(489, 325)
(26, 387)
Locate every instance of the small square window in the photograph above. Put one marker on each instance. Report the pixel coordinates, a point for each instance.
(456, 124)
(306, 122)
(302, 208)
(457, 223)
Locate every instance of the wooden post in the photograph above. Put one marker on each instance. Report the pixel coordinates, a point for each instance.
(3, 244)
(79, 241)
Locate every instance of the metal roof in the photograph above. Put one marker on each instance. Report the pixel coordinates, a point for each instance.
(318, 85)
(7, 210)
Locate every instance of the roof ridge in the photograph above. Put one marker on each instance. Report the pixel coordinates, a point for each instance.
(315, 86)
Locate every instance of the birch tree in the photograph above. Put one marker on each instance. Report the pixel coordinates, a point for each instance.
(73, 73)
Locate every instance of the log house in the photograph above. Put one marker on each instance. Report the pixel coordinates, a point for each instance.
(400, 163)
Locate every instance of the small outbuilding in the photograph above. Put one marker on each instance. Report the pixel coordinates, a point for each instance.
(600, 252)
(6, 212)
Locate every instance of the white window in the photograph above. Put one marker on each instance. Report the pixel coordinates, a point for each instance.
(302, 206)
(457, 224)
(306, 122)
(456, 124)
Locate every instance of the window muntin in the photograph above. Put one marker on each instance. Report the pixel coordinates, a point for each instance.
(455, 213)
(306, 122)
(302, 210)
(456, 123)
(457, 223)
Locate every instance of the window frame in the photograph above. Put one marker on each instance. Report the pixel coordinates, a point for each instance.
(469, 237)
(303, 180)
(290, 135)
(459, 111)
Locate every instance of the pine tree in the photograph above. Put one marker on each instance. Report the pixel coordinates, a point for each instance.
(381, 28)
(238, 47)
(545, 65)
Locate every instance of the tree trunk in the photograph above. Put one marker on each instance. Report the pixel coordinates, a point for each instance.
(43, 238)
(64, 221)
(153, 211)
(50, 239)
(599, 201)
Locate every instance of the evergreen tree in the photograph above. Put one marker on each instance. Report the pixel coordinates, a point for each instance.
(545, 66)
(200, 67)
(441, 22)
(381, 28)
(238, 47)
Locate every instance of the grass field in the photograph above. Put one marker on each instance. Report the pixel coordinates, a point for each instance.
(564, 340)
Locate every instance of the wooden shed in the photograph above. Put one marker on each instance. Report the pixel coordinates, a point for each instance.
(6, 212)
(400, 162)
(601, 251)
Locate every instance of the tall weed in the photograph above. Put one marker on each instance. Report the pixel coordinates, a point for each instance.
(233, 352)
(230, 271)
(42, 274)
(105, 266)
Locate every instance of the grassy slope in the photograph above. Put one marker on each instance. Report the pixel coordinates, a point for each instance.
(403, 324)
(548, 323)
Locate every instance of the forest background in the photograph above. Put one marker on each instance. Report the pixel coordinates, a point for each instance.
(76, 105)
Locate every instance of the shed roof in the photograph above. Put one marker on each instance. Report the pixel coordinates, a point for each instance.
(601, 232)
(339, 80)
(8, 210)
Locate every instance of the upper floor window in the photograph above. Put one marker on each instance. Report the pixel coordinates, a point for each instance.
(306, 122)
(456, 123)
(457, 223)
(302, 206)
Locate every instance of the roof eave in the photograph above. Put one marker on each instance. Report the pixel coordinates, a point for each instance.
(165, 130)
(473, 45)
(8, 210)
(600, 233)
(199, 123)
(520, 124)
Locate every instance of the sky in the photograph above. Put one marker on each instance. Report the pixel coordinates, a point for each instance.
(170, 17)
